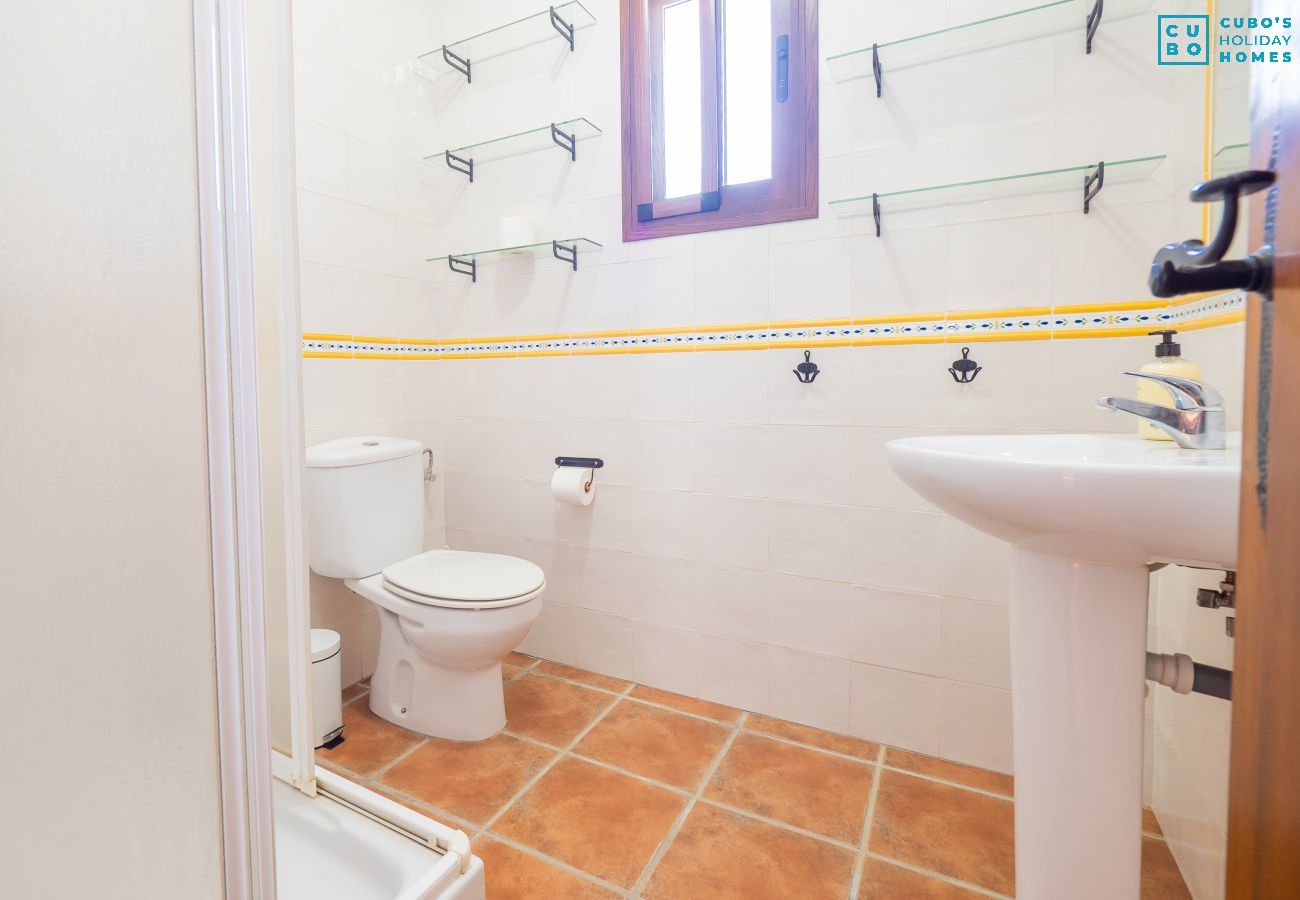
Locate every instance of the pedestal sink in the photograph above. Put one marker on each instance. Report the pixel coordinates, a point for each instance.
(1087, 514)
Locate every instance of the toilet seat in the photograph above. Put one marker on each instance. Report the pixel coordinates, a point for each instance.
(464, 580)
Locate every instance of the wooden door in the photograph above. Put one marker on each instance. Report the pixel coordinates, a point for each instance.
(1264, 787)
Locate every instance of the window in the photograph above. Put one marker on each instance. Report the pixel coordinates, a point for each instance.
(719, 114)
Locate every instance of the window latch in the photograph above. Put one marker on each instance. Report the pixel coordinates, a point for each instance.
(782, 68)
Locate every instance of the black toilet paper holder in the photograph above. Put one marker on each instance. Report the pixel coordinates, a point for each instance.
(580, 462)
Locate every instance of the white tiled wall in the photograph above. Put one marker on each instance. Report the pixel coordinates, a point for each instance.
(778, 567)
(748, 544)
(366, 216)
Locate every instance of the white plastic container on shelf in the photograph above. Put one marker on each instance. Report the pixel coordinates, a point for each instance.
(326, 685)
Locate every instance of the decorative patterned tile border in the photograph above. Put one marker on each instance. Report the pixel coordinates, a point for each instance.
(1091, 321)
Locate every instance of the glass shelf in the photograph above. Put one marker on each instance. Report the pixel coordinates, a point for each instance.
(1067, 180)
(1230, 158)
(566, 250)
(982, 34)
(522, 142)
(516, 35)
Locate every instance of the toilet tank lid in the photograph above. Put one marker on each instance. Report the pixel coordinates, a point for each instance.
(359, 451)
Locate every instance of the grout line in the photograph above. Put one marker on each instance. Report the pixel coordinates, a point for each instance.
(685, 792)
(855, 884)
(673, 830)
(956, 784)
(679, 791)
(624, 694)
(793, 743)
(777, 823)
(383, 770)
(930, 873)
(528, 785)
(551, 860)
(553, 677)
(683, 712)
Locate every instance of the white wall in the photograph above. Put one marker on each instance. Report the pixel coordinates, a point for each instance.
(365, 227)
(109, 755)
(748, 543)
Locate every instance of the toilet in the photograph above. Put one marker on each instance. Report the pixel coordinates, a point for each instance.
(446, 617)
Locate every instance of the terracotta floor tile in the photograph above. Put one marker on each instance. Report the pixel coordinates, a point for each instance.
(469, 779)
(515, 875)
(656, 743)
(1161, 879)
(593, 679)
(593, 818)
(369, 742)
(552, 711)
(721, 855)
(521, 660)
(886, 881)
(715, 711)
(827, 740)
(970, 776)
(807, 788)
(949, 830)
(508, 671)
(354, 691)
(1149, 823)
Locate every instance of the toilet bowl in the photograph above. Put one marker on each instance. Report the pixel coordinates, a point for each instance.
(447, 617)
(446, 620)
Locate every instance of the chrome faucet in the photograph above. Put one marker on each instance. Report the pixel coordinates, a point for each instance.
(1196, 421)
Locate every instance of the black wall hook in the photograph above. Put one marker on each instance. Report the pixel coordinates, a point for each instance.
(964, 370)
(807, 370)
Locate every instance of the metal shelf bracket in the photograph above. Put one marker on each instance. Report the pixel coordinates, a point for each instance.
(461, 64)
(566, 30)
(875, 211)
(460, 164)
(565, 253)
(462, 266)
(565, 141)
(1094, 19)
(875, 64)
(1098, 178)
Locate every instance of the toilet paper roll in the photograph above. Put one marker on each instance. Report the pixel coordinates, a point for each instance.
(573, 485)
(516, 231)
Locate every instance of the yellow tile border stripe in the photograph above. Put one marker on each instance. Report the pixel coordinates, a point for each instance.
(982, 326)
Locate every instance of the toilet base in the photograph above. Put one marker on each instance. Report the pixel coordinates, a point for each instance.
(456, 704)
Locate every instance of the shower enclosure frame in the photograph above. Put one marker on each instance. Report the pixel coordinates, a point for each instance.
(225, 40)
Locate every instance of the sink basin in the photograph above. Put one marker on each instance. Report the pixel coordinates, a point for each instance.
(1086, 515)
(1107, 498)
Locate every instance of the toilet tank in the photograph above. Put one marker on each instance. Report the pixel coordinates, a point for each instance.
(365, 504)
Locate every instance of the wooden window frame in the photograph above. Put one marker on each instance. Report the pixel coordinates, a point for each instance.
(791, 193)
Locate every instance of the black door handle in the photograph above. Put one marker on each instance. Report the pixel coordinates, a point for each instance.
(1192, 266)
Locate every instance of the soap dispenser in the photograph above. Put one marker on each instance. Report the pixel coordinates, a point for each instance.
(1168, 361)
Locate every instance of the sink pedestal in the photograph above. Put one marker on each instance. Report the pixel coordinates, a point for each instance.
(1078, 645)
(1085, 514)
